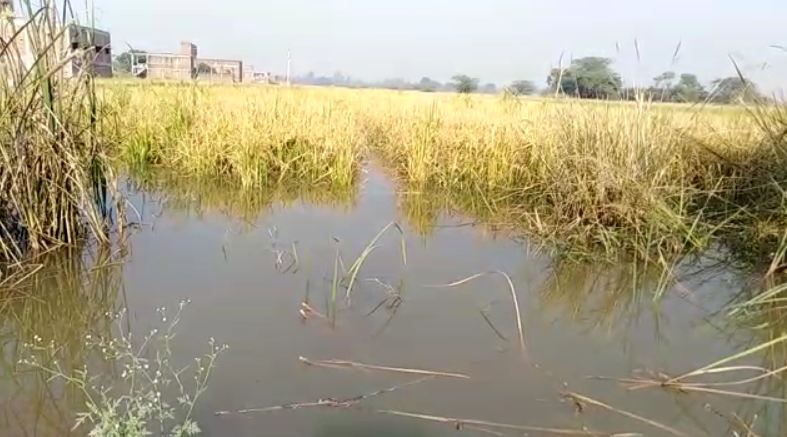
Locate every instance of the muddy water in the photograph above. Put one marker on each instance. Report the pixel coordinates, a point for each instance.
(234, 260)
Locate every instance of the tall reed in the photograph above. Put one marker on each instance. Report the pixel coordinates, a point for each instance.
(761, 188)
(53, 173)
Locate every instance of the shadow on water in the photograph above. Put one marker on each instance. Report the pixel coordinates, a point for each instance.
(71, 297)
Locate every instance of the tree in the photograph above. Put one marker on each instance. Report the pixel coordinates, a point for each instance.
(464, 84)
(733, 90)
(124, 61)
(596, 79)
(562, 81)
(589, 78)
(428, 85)
(340, 78)
(396, 83)
(204, 68)
(522, 88)
(688, 90)
(664, 80)
(489, 88)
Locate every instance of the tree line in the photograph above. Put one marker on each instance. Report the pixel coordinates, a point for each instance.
(460, 83)
(594, 78)
(585, 78)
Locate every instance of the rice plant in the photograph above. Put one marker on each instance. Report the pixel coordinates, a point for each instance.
(641, 178)
(255, 137)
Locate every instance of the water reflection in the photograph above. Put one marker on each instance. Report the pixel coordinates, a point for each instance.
(599, 296)
(355, 425)
(420, 211)
(759, 312)
(425, 212)
(580, 318)
(73, 296)
(612, 299)
(158, 194)
(618, 300)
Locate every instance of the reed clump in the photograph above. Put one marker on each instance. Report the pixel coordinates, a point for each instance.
(760, 189)
(53, 173)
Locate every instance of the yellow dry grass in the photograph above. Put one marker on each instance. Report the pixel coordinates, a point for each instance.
(639, 176)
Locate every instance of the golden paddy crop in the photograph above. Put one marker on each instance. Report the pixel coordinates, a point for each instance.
(639, 176)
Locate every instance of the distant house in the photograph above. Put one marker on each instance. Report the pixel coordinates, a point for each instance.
(186, 65)
(96, 46)
(82, 49)
(220, 70)
(250, 75)
(174, 66)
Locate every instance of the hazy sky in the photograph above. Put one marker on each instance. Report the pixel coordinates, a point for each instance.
(495, 40)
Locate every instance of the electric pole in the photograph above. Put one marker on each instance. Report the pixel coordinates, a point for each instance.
(289, 67)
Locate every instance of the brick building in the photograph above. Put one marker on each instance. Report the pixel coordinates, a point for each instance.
(186, 65)
(82, 48)
(175, 66)
(220, 70)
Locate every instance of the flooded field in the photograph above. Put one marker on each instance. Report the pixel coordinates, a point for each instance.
(260, 275)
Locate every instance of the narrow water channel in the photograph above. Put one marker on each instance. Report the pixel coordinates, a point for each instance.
(248, 268)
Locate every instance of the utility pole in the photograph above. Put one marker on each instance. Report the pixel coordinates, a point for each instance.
(289, 67)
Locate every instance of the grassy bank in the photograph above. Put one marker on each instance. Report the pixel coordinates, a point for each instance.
(641, 177)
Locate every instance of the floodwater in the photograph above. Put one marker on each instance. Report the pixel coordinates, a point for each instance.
(232, 256)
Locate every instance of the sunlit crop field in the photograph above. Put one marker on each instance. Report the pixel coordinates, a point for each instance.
(643, 176)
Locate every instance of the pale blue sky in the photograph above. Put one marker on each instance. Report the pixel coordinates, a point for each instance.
(495, 40)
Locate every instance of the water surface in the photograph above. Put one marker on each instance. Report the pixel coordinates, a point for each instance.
(231, 255)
